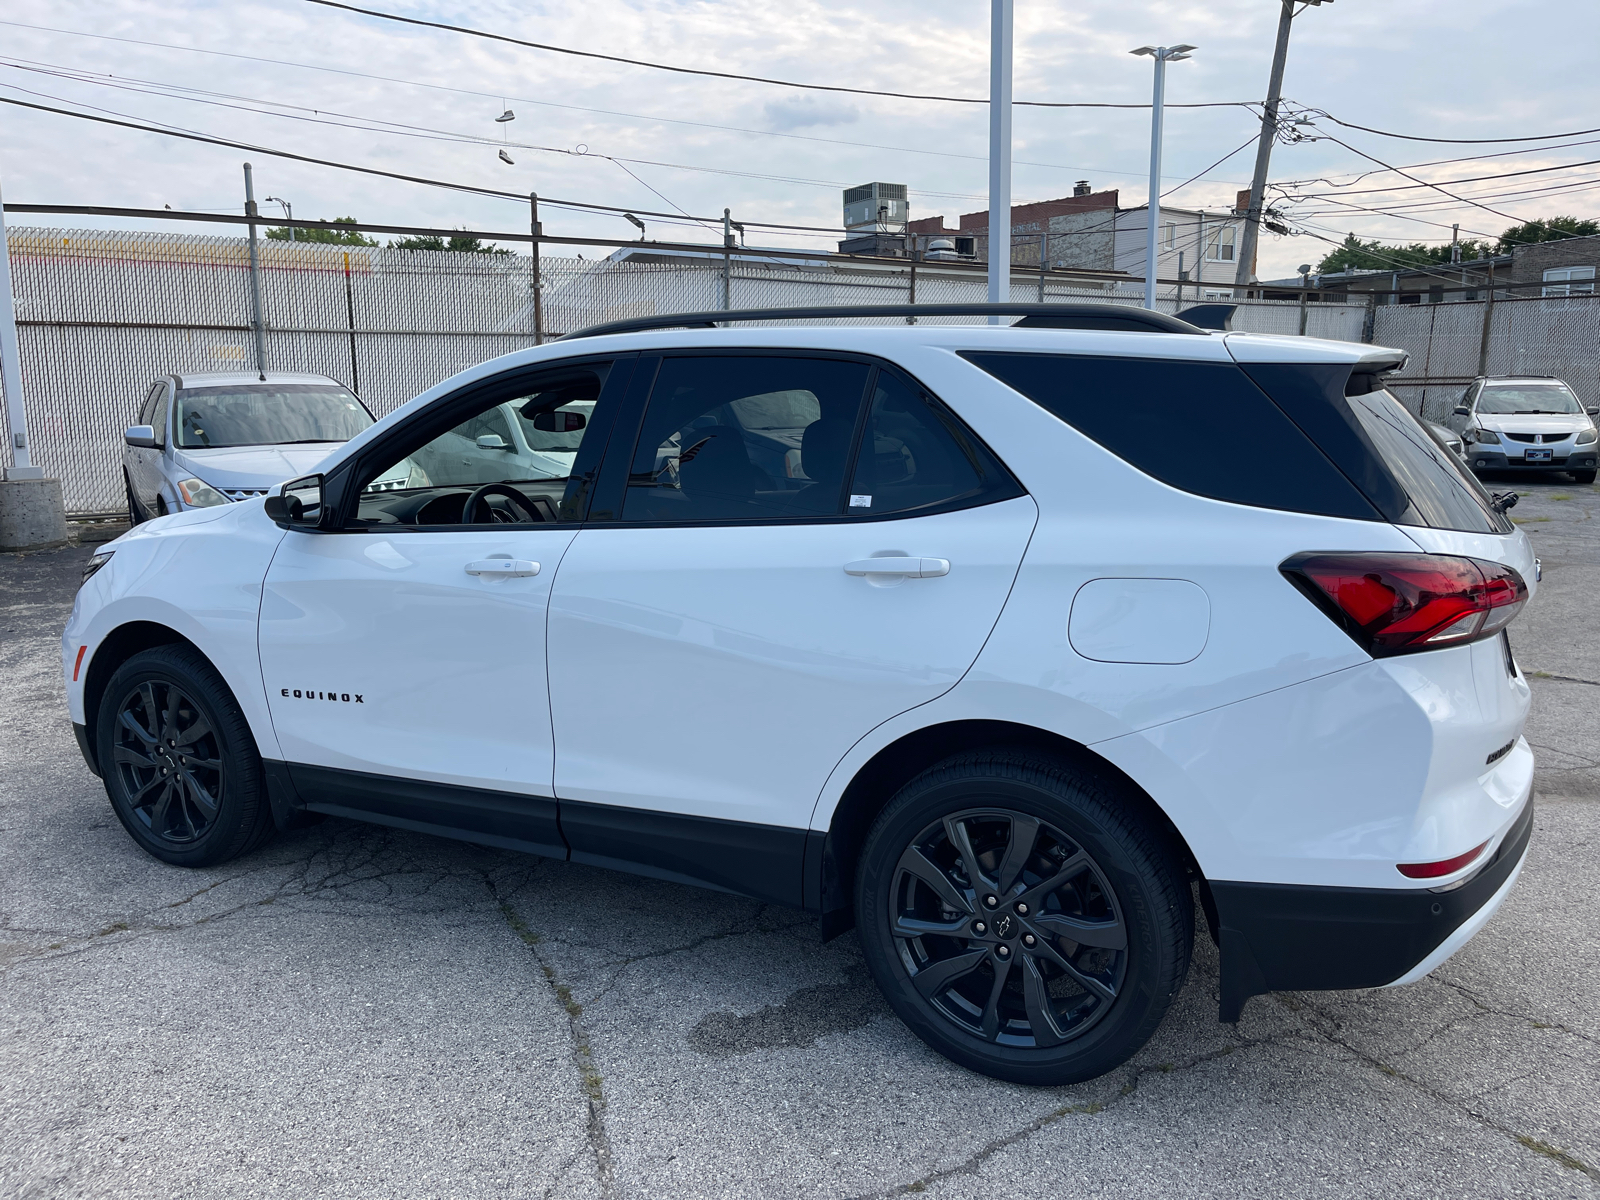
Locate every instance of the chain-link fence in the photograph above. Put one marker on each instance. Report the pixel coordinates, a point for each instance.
(1451, 344)
(101, 314)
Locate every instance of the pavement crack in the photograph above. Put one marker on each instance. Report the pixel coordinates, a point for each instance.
(582, 1055)
(1554, 1153)
(1478, 1002)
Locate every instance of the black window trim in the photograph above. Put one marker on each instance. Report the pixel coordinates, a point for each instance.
(342, 497)
(624, 445)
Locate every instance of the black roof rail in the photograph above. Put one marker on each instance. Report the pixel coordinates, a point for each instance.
(1116, 317)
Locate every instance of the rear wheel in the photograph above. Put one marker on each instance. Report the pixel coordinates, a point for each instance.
(179, 761)
(1021, 919)
(1583, 477)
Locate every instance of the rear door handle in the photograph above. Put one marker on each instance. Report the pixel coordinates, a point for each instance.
(501, 568)
(916, 568)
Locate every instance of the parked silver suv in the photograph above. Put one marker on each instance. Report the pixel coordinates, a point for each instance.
(205, 439)
(1526, 423)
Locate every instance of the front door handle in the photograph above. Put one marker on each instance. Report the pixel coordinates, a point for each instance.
(502, 568)
(915, 568)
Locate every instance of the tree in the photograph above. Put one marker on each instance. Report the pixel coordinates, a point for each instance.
(1551, 229)
(335, 237)
(1353, 253)
(459, 243)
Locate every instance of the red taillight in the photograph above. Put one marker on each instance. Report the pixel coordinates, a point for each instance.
(1437, 870)
(1398, 603)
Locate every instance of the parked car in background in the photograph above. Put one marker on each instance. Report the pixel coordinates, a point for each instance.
(1521, 423)
(903, 625)
(1449, 437)
(209, 438)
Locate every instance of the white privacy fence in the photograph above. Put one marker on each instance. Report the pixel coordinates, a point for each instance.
(103, 313)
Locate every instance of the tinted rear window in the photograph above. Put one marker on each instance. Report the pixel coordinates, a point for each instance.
(1202, 427)
(1443, 494)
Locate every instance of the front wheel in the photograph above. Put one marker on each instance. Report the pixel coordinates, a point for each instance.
(179, 761)
(1584, 477)
(1021, 919)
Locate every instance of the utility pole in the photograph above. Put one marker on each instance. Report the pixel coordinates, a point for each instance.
(1162, 55)
(255, 275)
(1455, 244)
(1000, 22)
(1269, 133)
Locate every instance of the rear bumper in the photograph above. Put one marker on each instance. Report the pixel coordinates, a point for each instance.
(1287, 937)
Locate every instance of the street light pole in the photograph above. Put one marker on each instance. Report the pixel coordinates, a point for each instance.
(1163, 55)
(11, 370)
(1000, 23)
(288, 212)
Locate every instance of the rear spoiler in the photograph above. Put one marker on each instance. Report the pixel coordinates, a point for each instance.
(1368, 375)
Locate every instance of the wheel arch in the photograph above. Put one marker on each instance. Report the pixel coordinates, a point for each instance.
(833, 855)
(116, 648)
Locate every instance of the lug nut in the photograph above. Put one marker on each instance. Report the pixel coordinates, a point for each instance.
(1029, 940)
(991, 901)
(979, 927)
(1022, 908)
(1003, 951)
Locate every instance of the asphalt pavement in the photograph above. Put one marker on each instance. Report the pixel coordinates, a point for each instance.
(358, 1011)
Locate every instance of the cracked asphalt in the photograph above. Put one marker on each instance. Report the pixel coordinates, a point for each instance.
(357, 1011)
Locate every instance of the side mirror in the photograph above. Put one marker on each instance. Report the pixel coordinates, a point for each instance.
(297, 504)
(140, 435)
(1593, 410)
(492, 441)
(1461, 410)
(550, 421)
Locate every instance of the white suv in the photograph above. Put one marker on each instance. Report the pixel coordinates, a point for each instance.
(995, 668)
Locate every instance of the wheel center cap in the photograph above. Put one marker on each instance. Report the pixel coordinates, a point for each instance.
(1006, 925)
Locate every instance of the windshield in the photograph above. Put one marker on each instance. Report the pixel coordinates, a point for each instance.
(1505, 399)
(267, 414)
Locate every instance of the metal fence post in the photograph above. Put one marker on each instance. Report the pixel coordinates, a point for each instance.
(911, 292)
(727, 259)
(1044, 263)
(11, 370)
(1370, 320)
(350, 316)
(255, 276)
(538, 282)
(1488, 315)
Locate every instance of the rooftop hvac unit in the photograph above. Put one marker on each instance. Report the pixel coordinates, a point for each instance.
(876, 207)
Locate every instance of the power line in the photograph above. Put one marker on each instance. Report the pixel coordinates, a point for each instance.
(815, 87)
(1545, 137)
(520, 197)
(607, 112)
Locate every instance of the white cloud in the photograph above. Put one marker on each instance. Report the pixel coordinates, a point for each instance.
(805, 112)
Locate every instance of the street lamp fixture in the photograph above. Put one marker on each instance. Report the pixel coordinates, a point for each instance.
(1162, 55)
(288, 212)
(638, 224)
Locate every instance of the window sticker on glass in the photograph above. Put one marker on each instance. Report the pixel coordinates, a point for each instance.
(860, 501)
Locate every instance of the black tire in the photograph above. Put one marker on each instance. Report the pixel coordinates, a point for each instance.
(1007, 997)
(179, 762)
(135, 517)
(1583, 477)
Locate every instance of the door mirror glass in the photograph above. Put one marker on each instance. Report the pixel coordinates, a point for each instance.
(1463, 411)
(492, 441)
(297, 504)
(1593, 410)
(557, 421)
(140, 435)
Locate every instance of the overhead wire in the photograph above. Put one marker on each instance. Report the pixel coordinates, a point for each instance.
(733, 75)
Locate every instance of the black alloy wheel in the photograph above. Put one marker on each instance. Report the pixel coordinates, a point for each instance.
(179, 763)
(1021, 919)
(1008, 928)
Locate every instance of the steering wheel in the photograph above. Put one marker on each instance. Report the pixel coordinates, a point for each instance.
(470, 509)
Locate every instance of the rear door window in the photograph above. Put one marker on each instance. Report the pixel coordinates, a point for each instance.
(1203, 427)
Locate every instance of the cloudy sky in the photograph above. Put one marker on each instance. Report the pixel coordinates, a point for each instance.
(292, 75)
